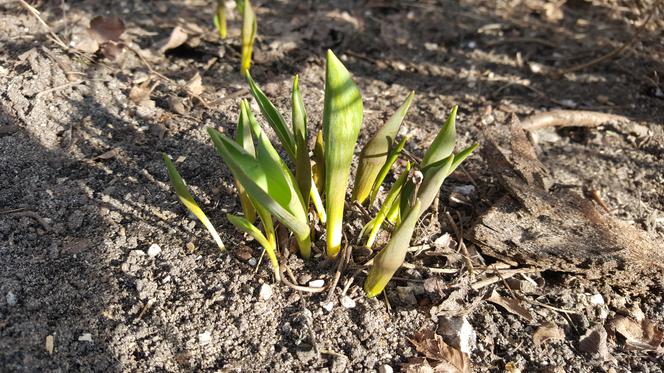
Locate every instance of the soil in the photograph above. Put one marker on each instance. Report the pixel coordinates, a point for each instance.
(84, 193)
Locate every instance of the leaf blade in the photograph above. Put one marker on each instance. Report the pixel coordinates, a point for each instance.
(188, 201)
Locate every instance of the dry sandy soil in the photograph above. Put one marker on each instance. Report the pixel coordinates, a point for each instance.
(84, 193)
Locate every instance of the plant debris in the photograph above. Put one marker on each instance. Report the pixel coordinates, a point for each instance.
(556, 228)
(548, 332)
(644, 335)
(438, 355)
(512, 305)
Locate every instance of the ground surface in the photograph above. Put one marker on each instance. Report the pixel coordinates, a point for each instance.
(83, 190)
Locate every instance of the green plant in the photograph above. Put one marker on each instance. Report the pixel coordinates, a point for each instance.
(268, 188)
(249, 27)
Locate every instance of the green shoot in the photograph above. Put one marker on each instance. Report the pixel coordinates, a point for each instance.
(245, 226)
(220, 19)
(302, 163)
(188, 200)
(390, 259)
(375, 152)
(248, 35)
(274, 118)
(394, 154)
(386, 207)
(266, 183)
(244, 139)
(342, 119)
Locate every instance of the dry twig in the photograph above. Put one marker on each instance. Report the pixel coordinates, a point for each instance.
(567, 118)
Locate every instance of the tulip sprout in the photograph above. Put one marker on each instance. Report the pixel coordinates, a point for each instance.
(268, 187)
(249, 27)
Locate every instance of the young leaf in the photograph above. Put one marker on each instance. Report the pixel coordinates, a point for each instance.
(318, 169)
(245, 226)
(276, 168)
(220, 18)
(274, 118)
(188, 200)
(394, 154)
(386, 207)
(375, 153)
(443, 144)
(342, 119)
(388, 260)
(434, 175)
(264, 187)
(302, 162)
(244, 139)
(248, 36)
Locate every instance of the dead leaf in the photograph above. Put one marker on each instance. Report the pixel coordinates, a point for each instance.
(644, 335)
(195, 85)
(83, 40)
(417, 365)
(445, 359)
(548, 332)
(594, 342)
(512, 305)
(107, 155)
(112, 50)
(177, 38)
(140, 94)
(104, 29)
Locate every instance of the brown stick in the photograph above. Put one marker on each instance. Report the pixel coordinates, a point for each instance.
(568, 118)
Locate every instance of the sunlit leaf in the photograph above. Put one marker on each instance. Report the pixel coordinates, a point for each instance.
(245, 226)
(376, 151)
(394, 154)
(220, 18)
(273, 117)
(188, 200)
(248, 35)
(264, 186)
(390, 201)
(342, 120)
(390, 258)
(302, 162)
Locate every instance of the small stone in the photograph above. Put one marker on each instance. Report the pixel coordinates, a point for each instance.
(316, 283)
(266, 292)
(328, 306)
(597, 299)
(252, 262)
(50, 344)
(204, 338)
(154, 250)
(347, 302)
(85, 337)
(430, 46)
(11, 299)
(385, 369)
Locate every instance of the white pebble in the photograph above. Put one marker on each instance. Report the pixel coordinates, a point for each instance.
(347, 302)
(11, 299)
(266, 292)
(252, 262)
(385, 369)
(597, 299)
(316, 283)
(328, 306)
(204, 338)
(154, 250)
(85, 337)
